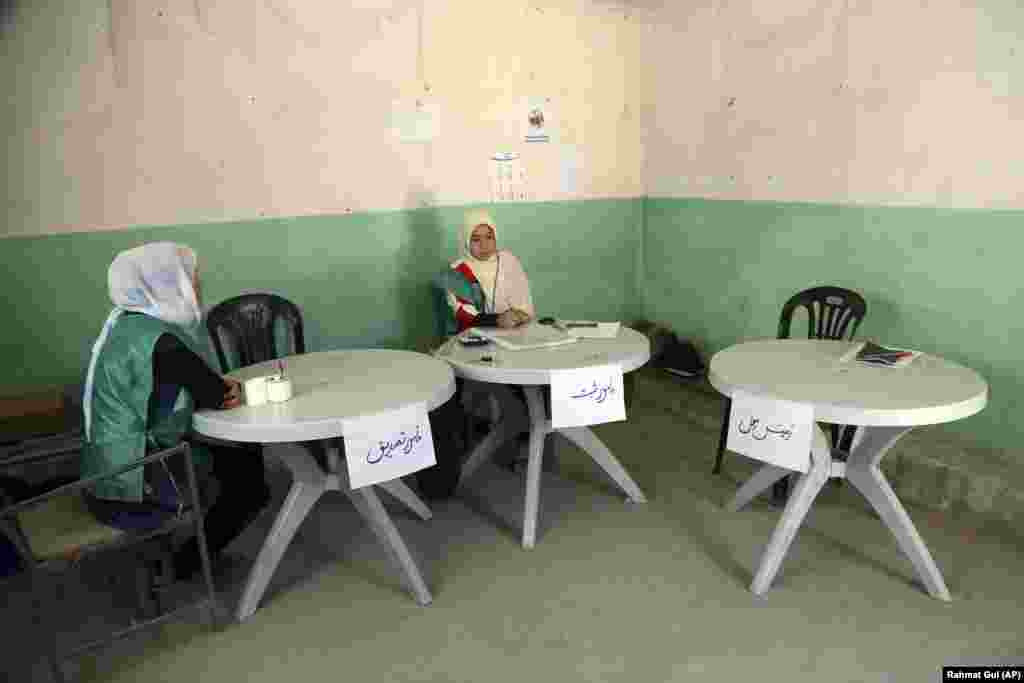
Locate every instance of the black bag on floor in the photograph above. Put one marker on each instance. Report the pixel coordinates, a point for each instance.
(681, 358)
(446, 424)
(668, 352)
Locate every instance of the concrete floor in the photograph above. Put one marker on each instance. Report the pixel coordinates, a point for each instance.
(612, 592)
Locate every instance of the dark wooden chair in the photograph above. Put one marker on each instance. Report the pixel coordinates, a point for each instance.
(832, 313)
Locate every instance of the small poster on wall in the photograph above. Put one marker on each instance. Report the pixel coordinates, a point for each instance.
(508, 178)
(415, 122)
(540, 123)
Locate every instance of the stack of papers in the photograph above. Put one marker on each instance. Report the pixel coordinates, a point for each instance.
(588, 329)
(873, 354)
(532, 336)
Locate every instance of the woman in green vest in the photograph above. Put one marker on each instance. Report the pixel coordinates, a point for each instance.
(145, 379)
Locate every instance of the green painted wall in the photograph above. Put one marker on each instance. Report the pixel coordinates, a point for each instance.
(717, 271)
(361, 279)
(944, 281)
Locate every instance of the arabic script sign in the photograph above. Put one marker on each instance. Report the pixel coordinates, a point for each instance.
(776, 432)
(388, 445)
(587, 396)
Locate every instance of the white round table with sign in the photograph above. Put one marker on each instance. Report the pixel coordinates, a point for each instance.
(884, 402)
(328, 388)
(532, 369)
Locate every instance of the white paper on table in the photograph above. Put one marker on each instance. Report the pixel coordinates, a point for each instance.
(772, 431)
(525, 337)
(602, 330)
(388, 445)
(587, 396)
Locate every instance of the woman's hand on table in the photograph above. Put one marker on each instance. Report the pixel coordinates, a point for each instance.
(522, 317)
(508, 319)
(232, 394)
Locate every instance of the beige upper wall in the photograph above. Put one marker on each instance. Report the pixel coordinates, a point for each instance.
(129, 113)
(850, 101)
(123, 113)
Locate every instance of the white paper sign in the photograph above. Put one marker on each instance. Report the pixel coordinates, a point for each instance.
(776, 432)
(539, 123)
(388, 445)
(508, 178)
(570, 169)
(587, 396)
(415, 123)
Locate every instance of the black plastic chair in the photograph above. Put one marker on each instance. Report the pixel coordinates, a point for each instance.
(55, 533)
(248, 322)
(832, 313)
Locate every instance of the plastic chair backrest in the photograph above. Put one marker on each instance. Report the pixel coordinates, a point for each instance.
(832, 313)
(249, 322)
(444, 321)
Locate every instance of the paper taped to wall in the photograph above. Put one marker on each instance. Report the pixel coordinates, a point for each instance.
(416, 122)
(508, 178)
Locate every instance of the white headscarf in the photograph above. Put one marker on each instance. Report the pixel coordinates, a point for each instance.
(501, 277)
(474, 218)
(155, 279)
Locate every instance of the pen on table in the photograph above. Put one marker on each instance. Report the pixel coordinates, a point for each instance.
(581, 325)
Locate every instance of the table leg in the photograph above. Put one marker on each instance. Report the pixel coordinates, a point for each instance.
(807, 488)
(762, 480)
(512, 423)
(400, 490)
(369, 505)
(587, 440)
(863, 473)
(539, 428)
(308, 483)
(397, 488)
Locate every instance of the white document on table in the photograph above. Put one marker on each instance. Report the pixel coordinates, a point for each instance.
(775, 432)
(526, 337)
(387, 446)
(587, 396)
(587, 329)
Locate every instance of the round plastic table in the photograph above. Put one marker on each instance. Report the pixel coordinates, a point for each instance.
(329, 387)
(532, 369)
(884, 402)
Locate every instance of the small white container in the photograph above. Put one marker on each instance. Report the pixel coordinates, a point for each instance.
(255, 391)
(279, 389)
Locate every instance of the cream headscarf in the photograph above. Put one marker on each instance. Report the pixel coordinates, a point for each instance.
(501, 277)
(155, 279)
(474, 218)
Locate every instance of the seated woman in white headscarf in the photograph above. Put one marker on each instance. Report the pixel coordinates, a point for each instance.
(145, 379)
(487, 287)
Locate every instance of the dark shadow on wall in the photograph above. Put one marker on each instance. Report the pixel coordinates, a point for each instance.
(417, 261)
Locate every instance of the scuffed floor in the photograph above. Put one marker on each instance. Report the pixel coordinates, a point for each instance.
(612, 592)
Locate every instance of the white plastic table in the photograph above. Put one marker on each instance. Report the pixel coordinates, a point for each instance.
(532, 370)
(885, 403)
(328, 387)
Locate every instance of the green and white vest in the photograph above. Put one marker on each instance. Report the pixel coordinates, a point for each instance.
(122, 429)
